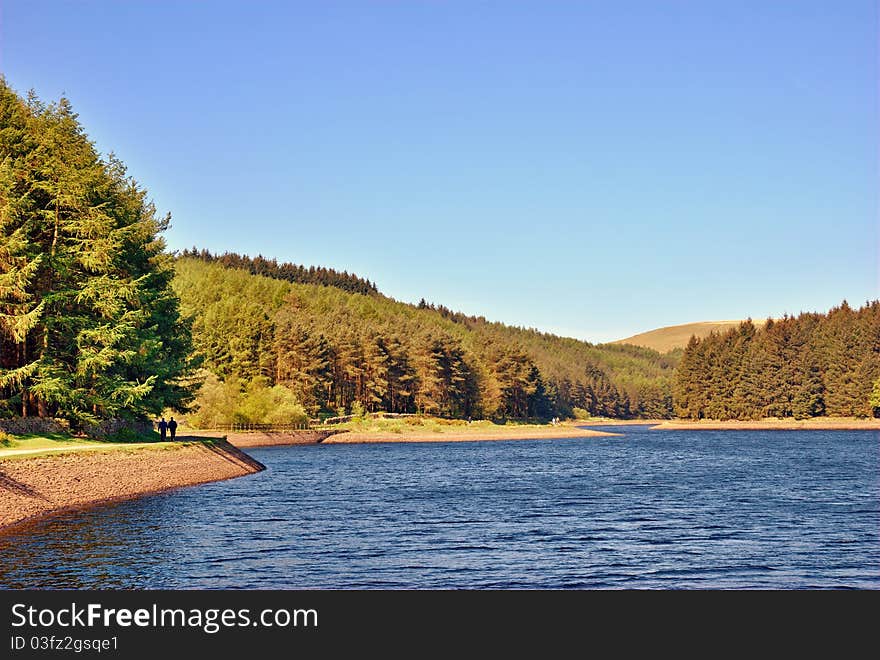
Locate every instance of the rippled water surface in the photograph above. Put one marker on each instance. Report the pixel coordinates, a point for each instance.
(648, 509)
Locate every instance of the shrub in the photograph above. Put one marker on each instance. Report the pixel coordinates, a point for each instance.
(580, 413)
(232, 402)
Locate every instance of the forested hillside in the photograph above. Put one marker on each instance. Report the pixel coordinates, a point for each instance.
(260, 265)
(89, 325)
(805, 366)
(336, 351)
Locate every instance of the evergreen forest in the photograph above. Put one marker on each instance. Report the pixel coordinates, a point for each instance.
(339, 351)
(811, 365)
(99, 320)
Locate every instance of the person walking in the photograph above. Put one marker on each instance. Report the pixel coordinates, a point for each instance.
(172, 426)
(163, 426)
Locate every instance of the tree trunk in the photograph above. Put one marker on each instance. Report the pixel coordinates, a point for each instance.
(57, 222)
(41, 404)
(24, 392)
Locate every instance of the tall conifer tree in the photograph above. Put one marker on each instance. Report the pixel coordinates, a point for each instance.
(91, 328)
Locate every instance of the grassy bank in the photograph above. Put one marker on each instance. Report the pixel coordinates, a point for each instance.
(433, 429)
(18, 446)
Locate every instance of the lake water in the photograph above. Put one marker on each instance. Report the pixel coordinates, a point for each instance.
(648, 509)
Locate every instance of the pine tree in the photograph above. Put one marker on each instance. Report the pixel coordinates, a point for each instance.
(689, 392)
(21, 308)
(85, 285)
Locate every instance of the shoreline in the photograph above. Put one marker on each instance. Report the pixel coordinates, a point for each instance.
(55, 481)
(35, 487)
(772, 424)
(500, 435)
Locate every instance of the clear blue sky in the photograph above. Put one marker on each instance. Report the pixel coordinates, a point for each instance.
(591, 168)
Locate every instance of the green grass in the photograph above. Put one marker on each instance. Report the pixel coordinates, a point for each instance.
(37, 445)
(127, 435)
(47, 441)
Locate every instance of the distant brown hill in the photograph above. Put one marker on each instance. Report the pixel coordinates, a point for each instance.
(677, 336)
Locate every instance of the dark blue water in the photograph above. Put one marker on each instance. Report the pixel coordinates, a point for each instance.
(650, 509)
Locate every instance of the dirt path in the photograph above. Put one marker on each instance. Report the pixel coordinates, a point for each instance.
(18, 452)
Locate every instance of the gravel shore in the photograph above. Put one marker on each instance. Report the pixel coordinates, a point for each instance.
(33, 487)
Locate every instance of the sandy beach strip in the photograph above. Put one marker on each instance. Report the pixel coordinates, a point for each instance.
(465, 435)
(46, 484)
(811, 424)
